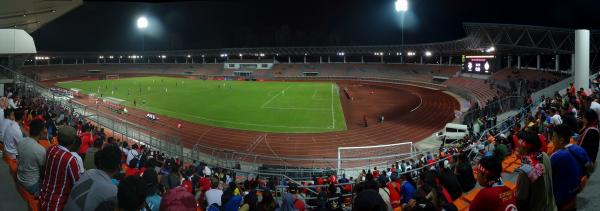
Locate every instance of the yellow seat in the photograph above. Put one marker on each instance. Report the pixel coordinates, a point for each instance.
(510, 185)
(461, 205)
(471, 195)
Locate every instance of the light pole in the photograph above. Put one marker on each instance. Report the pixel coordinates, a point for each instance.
(142, 23)
(402, 7)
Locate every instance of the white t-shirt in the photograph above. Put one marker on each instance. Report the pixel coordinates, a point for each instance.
(79, 162)
(131, 154)
(556, 120)
(12, 135)
(596, 107)
(214, 196)
(385, 195)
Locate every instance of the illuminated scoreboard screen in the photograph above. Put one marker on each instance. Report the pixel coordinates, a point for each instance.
(484, 64)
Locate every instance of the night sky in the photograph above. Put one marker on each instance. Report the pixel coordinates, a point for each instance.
(180, 25)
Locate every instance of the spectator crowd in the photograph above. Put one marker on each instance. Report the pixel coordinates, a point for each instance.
(66, 163)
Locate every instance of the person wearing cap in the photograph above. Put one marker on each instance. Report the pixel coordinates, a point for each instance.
(61, 172)
(589, 135)
(534, 182)
(494, 195)
(572, 164)
(32, 158)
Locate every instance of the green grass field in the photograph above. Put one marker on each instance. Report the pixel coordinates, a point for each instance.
(290, 107)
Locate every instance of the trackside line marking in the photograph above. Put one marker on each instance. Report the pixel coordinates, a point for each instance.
(295, 108)
(273, 98)
(420, 103)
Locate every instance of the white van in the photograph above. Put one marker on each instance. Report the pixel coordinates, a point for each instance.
(452, 132)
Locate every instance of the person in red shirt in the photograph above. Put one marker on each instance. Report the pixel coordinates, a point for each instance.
(61, 172)
(133, 169)
(494, 195)
(86, 141)
(394, 187)
(375, 172)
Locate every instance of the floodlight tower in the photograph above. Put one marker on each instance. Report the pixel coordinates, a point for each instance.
(401, 7)
(142, 23)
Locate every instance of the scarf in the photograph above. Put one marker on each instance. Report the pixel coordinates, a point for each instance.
(532, 165)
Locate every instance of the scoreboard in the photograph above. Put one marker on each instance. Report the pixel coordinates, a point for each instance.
(483, 64)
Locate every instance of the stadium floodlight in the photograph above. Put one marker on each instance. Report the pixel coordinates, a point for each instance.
(163, 56)
(110, 57)
(189, 56)
(401, 5)
(411, 53)
(241, 55)
(202, 55)
(142, 22)
(428, 53)
(341, 53)
(491, 49)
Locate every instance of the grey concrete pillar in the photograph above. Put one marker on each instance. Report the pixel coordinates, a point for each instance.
(421, 59)
(582, 58)
(518, 62)
(538, 62)
(450, 60)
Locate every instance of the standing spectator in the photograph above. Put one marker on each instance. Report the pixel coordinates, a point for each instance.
(494, 195)
(86, 141)
(464, 173)
(32, 158)
(534, 183)
(409, 187)
(88, 161)
(384, 192)
(268, 202)
(61, 171)
(172, 179)
(12, 134)
(394, 188)
(231, 198)
(178, 199)
(449, 181)
(94, 190)
(589, 136)
(368, 200)
(131, 194)
(213, 196)
(570, 161)
(152, 191)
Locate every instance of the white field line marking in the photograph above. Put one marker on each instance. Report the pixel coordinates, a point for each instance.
(332, 113)
(420, 103)
(238, 123)
(273, 98)
(295, 108)
(314, 94)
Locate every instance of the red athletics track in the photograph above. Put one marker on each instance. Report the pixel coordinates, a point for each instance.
(431, 109)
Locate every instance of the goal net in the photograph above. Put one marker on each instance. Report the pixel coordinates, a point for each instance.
(352, 160)
(112, 77)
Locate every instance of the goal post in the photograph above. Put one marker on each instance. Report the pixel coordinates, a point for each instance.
(355, 159)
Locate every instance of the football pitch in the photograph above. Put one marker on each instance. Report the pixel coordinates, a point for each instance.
(286, 107)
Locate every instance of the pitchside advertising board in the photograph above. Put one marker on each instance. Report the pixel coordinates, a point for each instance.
(482, 64)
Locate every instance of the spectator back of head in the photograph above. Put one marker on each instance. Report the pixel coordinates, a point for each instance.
(66, 135)
(131, 193)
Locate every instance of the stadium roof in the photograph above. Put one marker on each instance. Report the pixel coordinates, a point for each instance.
(30, 15)
(506, 38)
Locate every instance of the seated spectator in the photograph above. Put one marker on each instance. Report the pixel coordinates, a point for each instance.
(534, 183)
(88, 161)
(94, 190)
(62, 172)
(571, 162)
(369, 200)
(86, 141)
(32, 158)
(178, 199)
(131, 194)
(589, 136)
(494, 195)
(12, 134)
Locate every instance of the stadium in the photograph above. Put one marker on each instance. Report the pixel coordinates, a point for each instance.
(284, 118)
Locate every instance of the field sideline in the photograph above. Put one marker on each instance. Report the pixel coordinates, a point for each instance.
(286, 107)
